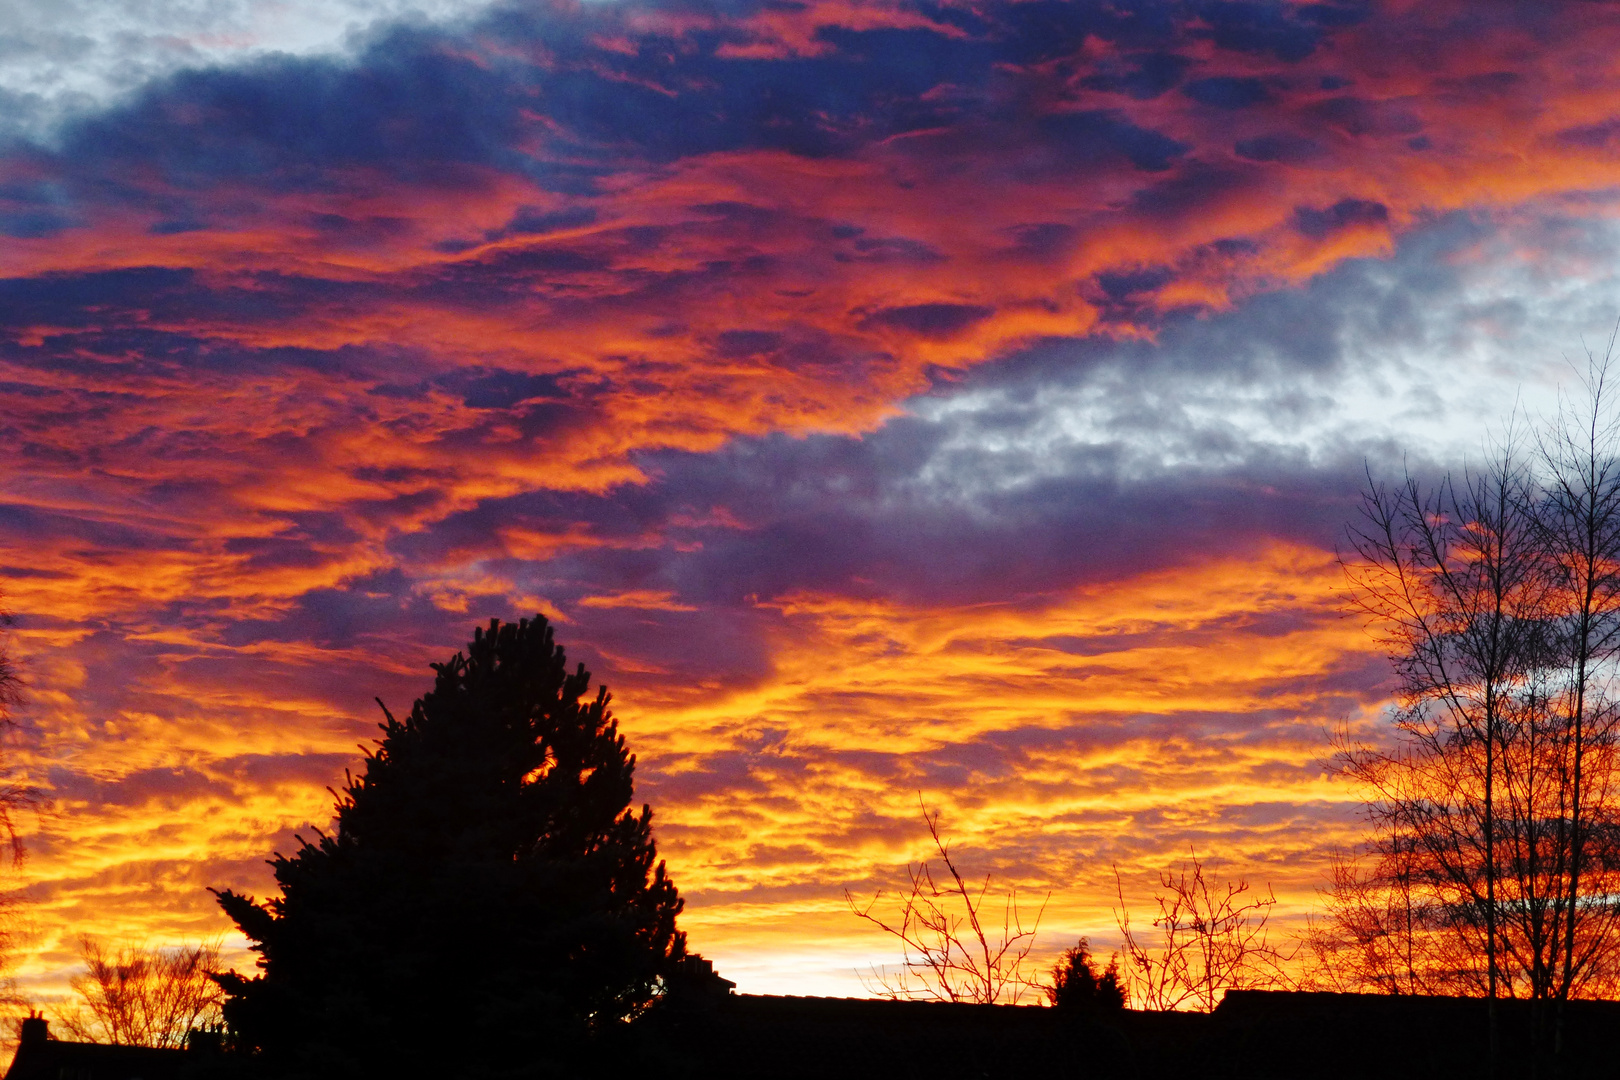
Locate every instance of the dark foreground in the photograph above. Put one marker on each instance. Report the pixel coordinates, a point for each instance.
(1253, 1035)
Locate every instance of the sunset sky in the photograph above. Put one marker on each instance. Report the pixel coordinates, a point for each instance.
(884, 398)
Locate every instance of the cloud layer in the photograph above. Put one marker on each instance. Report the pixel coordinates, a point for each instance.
(883, 397)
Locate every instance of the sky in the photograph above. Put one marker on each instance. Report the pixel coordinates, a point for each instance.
(894, 402)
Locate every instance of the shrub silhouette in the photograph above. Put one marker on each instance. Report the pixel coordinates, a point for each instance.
(487, 902)
(1077, 985)
(951, 950)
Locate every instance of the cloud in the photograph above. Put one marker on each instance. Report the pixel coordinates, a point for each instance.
(1227, 92)
(72, 57)
(930, 320)
(1141, 76)
(1344, 214)
(880, 397)
(1284, 147)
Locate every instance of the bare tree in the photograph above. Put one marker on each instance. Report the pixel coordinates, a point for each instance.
(1212, 937)
(951, 948)
(137, 996)
(1579, 519)
(15, 794)
(1450, 578)
(1382, 933)
(1493, 865)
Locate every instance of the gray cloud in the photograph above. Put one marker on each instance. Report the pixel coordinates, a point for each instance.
(60, 58)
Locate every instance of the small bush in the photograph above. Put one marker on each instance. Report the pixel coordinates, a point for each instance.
(1077, 985)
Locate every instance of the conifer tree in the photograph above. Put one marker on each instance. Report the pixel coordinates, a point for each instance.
(1078, 986)
(487, 900)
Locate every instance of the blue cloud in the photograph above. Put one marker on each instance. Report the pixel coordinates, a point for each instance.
(1285, 147)
(421, 103)
(1227, 92)
(1317, 224)
(1143, 77)
(930, 320)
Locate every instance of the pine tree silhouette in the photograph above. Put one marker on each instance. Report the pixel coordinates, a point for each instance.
(488, 900)
(1078, 986)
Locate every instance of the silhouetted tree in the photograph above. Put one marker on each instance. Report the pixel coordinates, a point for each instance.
(487, 902)
(1212, 937)
(1451, 578)
(1077, 985)
(1493, 865)
(951, 950)
(1381, 931)
(137, 996)
(15, 794)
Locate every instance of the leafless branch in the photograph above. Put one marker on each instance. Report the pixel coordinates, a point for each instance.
(951, 948)
(138, 996)
(1212, 937)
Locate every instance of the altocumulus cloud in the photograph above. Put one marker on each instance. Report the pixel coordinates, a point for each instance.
(884, 398)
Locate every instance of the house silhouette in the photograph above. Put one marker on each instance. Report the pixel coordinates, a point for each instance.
(41, 1057)
(1251, 1035)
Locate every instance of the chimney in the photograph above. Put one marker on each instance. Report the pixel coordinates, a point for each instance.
(35, 1030)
